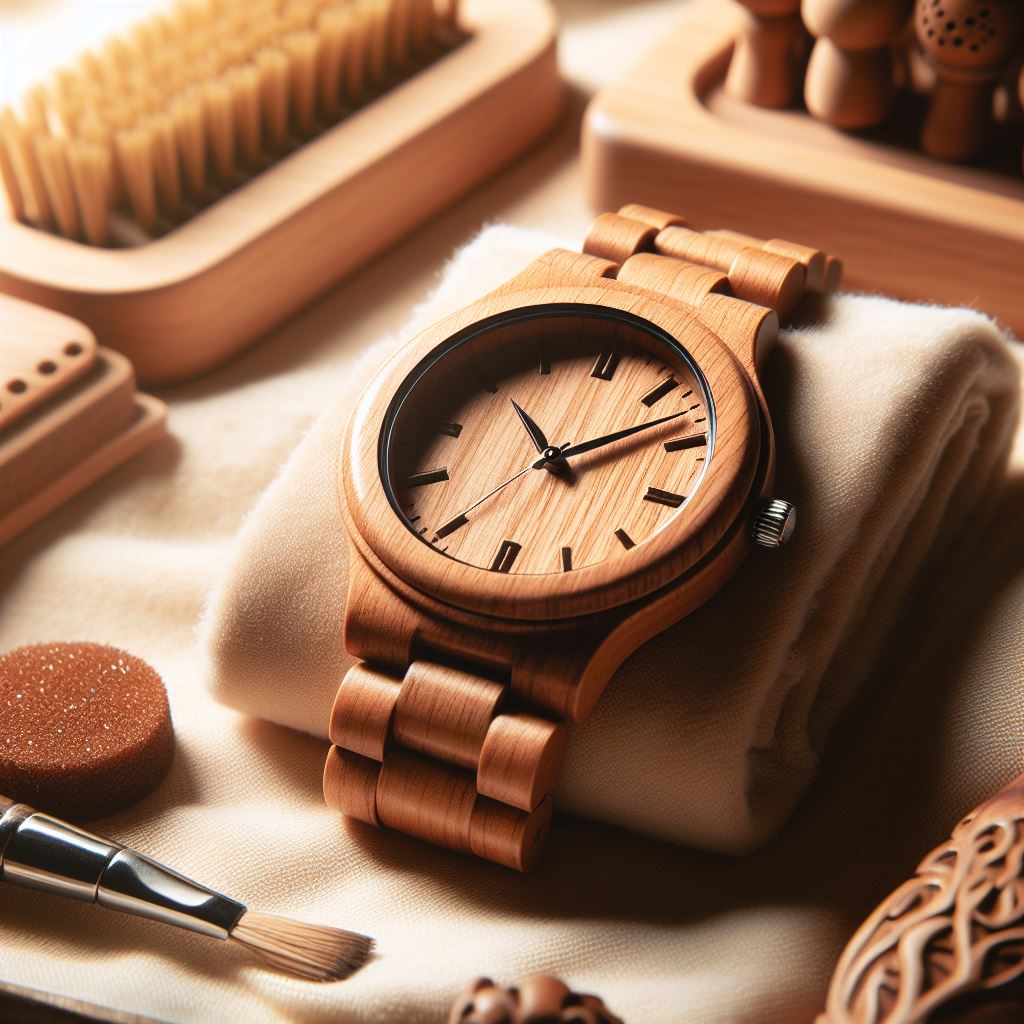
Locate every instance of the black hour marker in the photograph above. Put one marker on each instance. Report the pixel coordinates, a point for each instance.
(451, 429)
(506, 556)
(680, 444)
(702, 419)
(624, 539)
(566, 559)
(543, 362)
(606, 364)
(450, 527)
(660, 497)
(431, 476)
(656, 394)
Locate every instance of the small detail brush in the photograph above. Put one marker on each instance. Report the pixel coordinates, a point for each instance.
(38, 851)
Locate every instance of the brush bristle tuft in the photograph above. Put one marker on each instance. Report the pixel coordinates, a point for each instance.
(309, 951)
(187, 104)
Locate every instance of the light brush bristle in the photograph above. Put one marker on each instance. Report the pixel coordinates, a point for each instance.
(187, 104)
(309, 951)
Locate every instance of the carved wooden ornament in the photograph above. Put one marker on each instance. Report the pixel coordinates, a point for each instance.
(954, 930)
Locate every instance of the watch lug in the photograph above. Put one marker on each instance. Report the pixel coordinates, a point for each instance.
(559, 267)
(750, 331)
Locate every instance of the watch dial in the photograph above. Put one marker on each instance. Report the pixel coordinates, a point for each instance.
(544, 441)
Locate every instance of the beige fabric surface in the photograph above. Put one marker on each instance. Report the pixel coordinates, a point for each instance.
(892, 423)
(666, 934)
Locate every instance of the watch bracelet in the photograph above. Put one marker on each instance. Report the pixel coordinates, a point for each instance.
(451, 754)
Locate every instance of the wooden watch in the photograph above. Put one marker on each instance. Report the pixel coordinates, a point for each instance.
(531, 489)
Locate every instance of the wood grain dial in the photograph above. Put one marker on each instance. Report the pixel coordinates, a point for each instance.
(500, 449)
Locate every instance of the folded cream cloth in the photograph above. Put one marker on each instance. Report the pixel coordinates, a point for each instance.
(893, 424)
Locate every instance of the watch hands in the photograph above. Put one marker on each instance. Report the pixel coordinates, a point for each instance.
(567, 452)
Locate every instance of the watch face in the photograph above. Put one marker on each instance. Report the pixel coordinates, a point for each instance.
(548, 439)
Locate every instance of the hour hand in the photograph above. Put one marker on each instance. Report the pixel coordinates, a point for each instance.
(536, 434)
(553, 465)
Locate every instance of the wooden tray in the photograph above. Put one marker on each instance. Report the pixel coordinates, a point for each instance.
(182, 304)
(905, 225)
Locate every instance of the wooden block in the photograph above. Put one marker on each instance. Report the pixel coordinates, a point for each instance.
(41, 352)
(667, 135)
(185, 302)
(72, 439)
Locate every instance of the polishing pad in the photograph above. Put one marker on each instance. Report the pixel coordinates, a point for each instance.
(85, 730)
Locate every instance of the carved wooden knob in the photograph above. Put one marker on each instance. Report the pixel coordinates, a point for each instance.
(856, 24)
(851, 76)
(768, 54)
(538, 999)
(968, 42)
(972, 36)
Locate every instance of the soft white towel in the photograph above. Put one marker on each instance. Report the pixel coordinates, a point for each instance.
(893, 424)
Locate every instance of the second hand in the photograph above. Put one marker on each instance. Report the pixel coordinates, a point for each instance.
(463, 517)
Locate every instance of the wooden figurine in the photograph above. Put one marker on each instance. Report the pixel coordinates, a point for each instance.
(769, 54)
(969, 42)
(950, 937)
(851, 75)
(538, 999)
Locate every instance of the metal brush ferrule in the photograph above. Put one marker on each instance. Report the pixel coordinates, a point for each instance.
(49, 854)
(135, 884)
(41, 852)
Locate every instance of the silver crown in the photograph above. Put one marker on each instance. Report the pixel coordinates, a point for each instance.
(774, 524)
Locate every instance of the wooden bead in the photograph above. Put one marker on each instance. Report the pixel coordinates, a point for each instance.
(684, 282)
(768, 54)
(616, 238)
(426, 799)
(969, 43)
(537, 999)
(851, 76)
(520, 760)
(541, 995)
(509, 836)
(350, 784)
(445, 712)
(363, 709)
(754, 275)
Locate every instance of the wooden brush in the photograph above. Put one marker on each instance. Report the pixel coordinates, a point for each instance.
(164, 119)
(38, 851)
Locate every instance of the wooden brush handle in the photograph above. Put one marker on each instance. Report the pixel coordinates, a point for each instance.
(456, 755)
(954, 930)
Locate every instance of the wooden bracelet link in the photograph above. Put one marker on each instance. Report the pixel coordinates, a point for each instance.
(439, 755)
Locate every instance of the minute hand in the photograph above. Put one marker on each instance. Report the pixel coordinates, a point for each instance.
(618, 435)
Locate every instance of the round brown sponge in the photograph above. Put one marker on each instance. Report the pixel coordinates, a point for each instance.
(85, 730)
